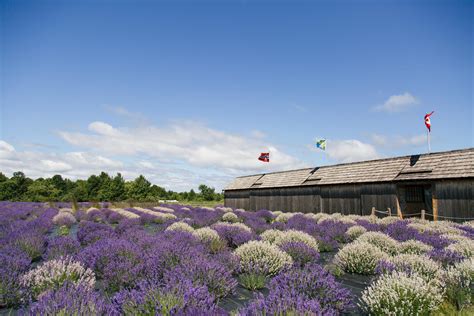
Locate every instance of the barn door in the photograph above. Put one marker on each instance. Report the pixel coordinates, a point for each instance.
(415, 197)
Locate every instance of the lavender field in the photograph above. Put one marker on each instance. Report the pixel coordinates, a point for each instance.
(182, 260)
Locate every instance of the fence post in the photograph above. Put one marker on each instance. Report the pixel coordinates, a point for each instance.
(389, 211)
(373, 212)
(423, 214)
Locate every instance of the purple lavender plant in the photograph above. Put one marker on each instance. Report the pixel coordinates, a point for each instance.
(330, 234)
(445, 256)
(117, 262)
(301, 253)
(61, 246)
(71, 299)
(234, 236)
(90, 232)
(152, 298)
(13, 263)
(203, 272)
(311, 290)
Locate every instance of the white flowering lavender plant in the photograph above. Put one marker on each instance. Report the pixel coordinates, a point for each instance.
(401, 294)
(360, 257)
(54, 273)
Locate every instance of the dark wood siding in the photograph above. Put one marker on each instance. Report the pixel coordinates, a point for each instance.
(344, 199)
(237, 199)
(381, 196)
(455, 198)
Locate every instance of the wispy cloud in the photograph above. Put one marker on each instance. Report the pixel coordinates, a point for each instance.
(349, 150)
(398, 141)
(123, 112)
(178, 156)
(189, 142)
(299, 108)
(398, 103)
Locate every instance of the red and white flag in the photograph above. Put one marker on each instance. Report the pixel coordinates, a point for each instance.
(265, 157)
(428, 121)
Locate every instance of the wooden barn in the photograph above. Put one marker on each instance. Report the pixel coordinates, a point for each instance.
(440, 183)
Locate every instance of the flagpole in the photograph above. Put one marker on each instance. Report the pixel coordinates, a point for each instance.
(429, 145)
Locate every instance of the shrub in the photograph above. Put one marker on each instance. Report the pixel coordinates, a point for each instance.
(459, 280)
(271, 235)
(71, 299)
(389, 220)
(203, 272)
(359, 257)
(300, 252)
(31, 242)
(180, 226)
(414, 247)
(90, 232)
(401, 294)
(64, 219)
(61, 246)
(330, 233)
(296, 236)
(284, 217)
(230, 217)
(381, 241)
(421, 265)
(445, 257)
(253, 281)
(13, 263)
(464, 248)
(262, 256)
(234, 234)
(355, 231)
(211, 238)
(155, 299)
(52, 274)
(308, 291)
(117, 262)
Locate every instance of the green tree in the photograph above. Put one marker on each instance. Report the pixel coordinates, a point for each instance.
(117, 188)
(3, 177)
(105, 184)
(93, 187)
(139, 189)
(192, 195)
(207, 193)
(42, 191)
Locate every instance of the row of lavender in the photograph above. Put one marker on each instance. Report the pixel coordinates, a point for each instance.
(181, 260)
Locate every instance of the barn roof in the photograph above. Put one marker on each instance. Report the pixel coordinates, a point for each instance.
(441, 165)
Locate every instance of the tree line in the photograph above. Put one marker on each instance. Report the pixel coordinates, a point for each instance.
(96, 188)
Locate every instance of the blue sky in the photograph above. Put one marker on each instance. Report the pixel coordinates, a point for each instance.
(191, 92)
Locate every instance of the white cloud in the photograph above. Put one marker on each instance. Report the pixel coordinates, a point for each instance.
(179, 156)
(123, 112)
(55, 166)
(398, 141)
(258, 134)
(379, 140)
(398, 103)
(351, 150)
(188, 142)
(416, 140)
(102, 128)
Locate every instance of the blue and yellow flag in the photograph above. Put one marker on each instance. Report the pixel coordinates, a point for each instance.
(321, 144)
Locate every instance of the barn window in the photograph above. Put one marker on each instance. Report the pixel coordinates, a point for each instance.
(414, 194)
